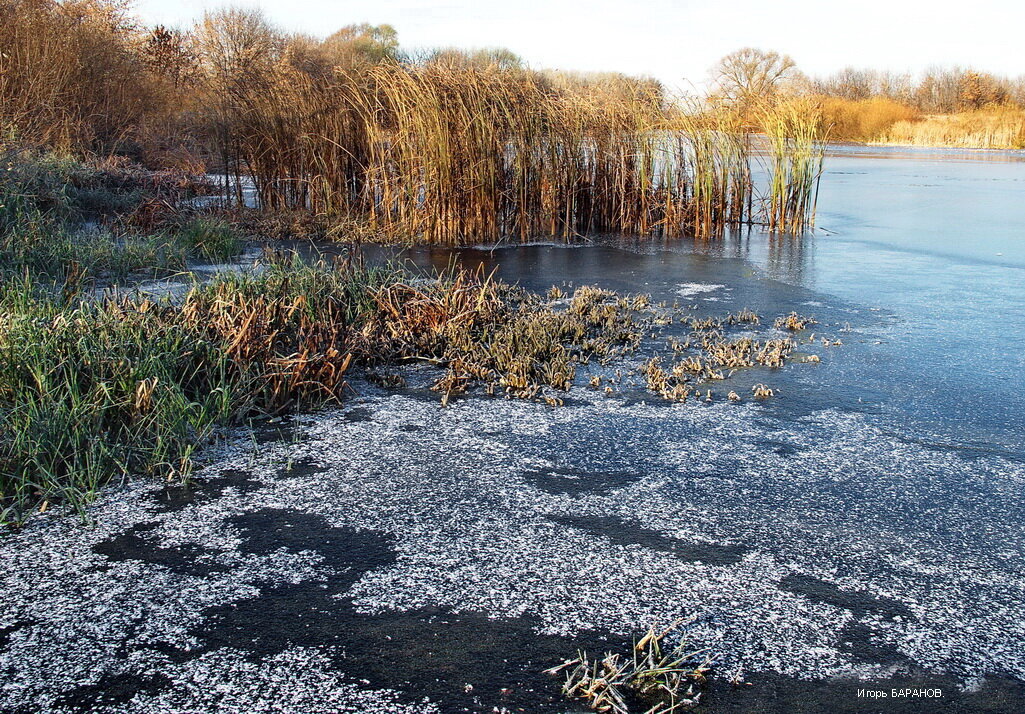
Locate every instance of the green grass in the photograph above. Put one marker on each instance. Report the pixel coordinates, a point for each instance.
(211, 238)
(48, 249)
(42, 200)
(62, 187)
(94, 390)
(45, 198)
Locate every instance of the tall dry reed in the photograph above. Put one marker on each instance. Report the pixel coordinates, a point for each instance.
(449, 148)
(997, 127)
(796, 137)
(447, 152)
(70, 75)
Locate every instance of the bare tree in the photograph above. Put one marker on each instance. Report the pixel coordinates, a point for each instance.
(234, 45)
(747, 75)
(236, 50)
(166, 53)
(849, 83)
(978, 89)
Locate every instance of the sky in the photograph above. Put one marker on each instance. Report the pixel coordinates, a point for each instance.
(676, 41)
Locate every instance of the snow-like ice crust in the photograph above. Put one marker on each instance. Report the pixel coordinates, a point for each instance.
(844, 503)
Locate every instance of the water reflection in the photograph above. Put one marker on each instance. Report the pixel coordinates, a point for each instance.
(614, 259)
(787, 258)
(925, 153)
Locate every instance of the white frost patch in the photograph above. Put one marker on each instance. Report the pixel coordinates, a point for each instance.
(691, 289)
(828, 498)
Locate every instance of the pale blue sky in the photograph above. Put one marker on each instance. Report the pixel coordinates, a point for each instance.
(673, 40)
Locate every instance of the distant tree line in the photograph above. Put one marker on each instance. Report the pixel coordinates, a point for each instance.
(938, 90)
(750, 75)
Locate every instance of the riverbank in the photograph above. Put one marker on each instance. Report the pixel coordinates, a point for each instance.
(995, 128)
(888, 122)
(100, 381)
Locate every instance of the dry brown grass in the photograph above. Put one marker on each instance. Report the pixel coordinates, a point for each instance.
(709, 355)
(866, 119)
(793, 322)
(880, 120)
(516, 343)
(653, 677)
(995, 127)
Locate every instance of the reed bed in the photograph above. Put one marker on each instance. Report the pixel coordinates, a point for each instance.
(69, 73)
(996, 127)
(95, 386)
(459, 152)
(864, 119)
(796, 138)
(451, 149)
(445, 153)
(716, 153)
(447, 149)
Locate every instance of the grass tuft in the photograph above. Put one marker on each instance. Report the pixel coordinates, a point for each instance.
(652, 678)
(213, 239)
